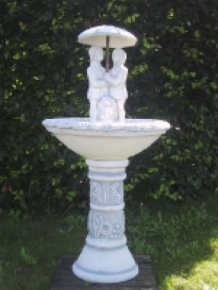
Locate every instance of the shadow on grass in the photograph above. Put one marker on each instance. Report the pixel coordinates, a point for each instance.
(30, 249)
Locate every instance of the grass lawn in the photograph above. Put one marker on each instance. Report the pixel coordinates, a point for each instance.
(182, 241)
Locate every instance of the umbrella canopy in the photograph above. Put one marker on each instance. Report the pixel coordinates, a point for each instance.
(107, 36)
(118, 37)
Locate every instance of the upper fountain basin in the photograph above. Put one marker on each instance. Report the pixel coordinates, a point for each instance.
(106, 141)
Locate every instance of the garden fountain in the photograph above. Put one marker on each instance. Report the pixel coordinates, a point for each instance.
(106, 140)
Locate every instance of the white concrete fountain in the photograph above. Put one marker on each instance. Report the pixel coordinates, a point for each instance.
(106, 140)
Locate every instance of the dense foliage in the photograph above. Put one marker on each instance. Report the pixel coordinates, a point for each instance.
(172, 76)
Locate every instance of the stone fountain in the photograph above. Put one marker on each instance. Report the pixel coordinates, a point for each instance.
(106, 140)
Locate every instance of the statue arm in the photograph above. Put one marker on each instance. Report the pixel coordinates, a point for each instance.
(121, 77)
(93, 80)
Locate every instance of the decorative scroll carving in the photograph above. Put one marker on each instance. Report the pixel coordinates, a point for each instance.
(106, 193)
(106, 225)
(115, 193)
(96, 194)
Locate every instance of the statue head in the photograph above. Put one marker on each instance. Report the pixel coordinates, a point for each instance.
(119, 56)
(96, 53)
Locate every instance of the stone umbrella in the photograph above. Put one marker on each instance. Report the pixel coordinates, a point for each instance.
(107, 36)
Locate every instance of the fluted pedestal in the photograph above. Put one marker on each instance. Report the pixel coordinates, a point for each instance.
(105, 257)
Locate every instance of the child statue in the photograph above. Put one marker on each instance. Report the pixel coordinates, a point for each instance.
(107, 91)
(116, 78)
(97, 82)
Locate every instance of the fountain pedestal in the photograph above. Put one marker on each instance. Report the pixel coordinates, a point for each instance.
(106, 146)
(106, 257)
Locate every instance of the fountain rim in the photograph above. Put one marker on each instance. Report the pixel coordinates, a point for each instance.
(130, 127)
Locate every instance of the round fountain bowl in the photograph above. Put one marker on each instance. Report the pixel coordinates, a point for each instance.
(106, 141)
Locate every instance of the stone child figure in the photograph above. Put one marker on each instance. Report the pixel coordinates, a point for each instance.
(97, 82)
(116, 78)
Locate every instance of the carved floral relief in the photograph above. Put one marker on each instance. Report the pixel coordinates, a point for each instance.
(106, 225)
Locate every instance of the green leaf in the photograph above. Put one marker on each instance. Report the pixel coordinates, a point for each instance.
(197, 34)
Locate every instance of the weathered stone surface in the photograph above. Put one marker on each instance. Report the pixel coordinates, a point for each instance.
(64, 279)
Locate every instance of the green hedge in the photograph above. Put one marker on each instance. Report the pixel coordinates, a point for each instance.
(172, 76)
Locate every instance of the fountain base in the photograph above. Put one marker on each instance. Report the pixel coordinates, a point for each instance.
(100, 265)
(63, 279)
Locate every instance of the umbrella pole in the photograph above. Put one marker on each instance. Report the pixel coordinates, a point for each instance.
(107, 53)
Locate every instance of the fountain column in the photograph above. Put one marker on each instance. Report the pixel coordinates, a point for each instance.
(106, 257)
